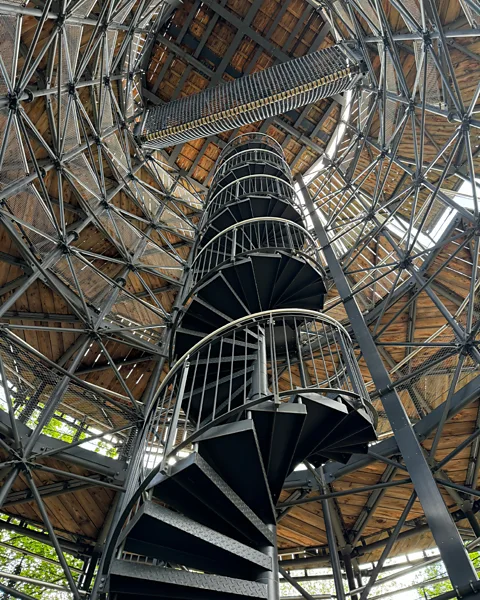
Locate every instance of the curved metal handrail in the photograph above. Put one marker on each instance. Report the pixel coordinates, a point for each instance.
(242, 155)
(230, 237)
(244, 138)
(291, 312)
(162, 436)
(255, 220)
(260, 176)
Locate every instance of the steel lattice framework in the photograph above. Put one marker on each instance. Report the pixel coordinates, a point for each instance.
(106, 227)
(101, 224)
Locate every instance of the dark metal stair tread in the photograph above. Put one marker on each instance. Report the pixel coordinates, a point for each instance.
(315, 290)
(244, 473)
(200, 317)
(278, 426)
(218, 295)
(305, 277)
(265, 268)
(287, 271)
(362, 432)
(243, 272)
(352, 427)
(197, 490)
(129, 578)
(323, 414)
(161, 533)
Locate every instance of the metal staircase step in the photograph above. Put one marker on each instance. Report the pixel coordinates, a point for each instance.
(200, 317)
(245, 283)
(243, 472)
(323, 415)
(356, 429)
(305, 277)
(158, 532)
(217, 293)
(196, 490)
(307, 294)
(265, 267)
(287, 271)
(235, 277)
(278, 426)
(142, 581)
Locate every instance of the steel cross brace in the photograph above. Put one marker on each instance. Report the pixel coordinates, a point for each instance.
(444, 531)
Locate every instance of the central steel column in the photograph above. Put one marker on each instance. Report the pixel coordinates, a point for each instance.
(444, 531)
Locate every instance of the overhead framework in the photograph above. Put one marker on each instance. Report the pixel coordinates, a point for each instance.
(94, 237)
(389, 167)
(249, 99)
(230, 421)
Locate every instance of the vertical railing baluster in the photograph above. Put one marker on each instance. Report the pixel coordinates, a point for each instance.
(200, 409)
(214, 409)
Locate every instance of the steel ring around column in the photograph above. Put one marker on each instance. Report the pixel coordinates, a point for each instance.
(254, 139)
(251, 187)
(248, 159)
(199, 391)
(267, 234)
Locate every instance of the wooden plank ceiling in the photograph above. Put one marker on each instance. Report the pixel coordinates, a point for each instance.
(206, 43)
(203, 44)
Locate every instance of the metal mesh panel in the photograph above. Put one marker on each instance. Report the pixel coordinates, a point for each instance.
(275, 90)
(83, 173)
(432, 89)
(135, 313)
(148, 202)
(13, 166)
(160, 261)
(8, 28)
(119, 229)
(73, 34)
(431, 387)
(34, 388)
(113, 143)
(28, 207)
(176, 222)
(84, 9)
(94, 287)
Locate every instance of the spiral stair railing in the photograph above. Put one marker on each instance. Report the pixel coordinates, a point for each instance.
(270, 233)
(264, 382)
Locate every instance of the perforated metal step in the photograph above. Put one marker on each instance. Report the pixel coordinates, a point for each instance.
(134, 580)
(158, 532)
(195, 489)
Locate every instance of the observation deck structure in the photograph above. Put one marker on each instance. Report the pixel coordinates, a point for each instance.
(261, 381)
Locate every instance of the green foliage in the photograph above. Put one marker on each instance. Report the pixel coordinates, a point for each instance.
(428, 575)
(312, 587)
(13, 560)
(435, 588)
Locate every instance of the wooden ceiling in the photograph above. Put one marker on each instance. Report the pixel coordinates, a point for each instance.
(206, 43)
(202, 44)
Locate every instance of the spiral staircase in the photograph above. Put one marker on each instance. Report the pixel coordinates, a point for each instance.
(261, 381)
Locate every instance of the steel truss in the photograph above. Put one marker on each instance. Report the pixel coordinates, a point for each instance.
(393, 174)
(78, 175)
(102, 228)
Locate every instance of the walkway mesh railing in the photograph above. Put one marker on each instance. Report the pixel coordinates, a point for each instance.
(256, 97)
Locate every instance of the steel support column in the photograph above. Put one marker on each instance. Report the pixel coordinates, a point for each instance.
(446, 535)
(332, 543)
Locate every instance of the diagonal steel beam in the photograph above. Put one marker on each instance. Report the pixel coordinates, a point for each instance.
(442, 526)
